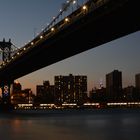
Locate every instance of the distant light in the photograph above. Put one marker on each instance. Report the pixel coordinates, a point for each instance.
(52, 29)
(60, 10)
(24, 49)
(66, 19)
(18, 53)
(84, 7)
(68, 1)
(32, 43)
(74, 1)
(41, 37)
(53, 17)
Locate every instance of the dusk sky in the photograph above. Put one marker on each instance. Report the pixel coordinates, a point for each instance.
(21, 19)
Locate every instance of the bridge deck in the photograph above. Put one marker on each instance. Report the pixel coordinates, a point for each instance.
(108, 22)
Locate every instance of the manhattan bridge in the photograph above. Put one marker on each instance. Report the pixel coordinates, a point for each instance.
(86, 23)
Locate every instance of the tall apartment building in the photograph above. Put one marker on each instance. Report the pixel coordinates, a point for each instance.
(70, 89)
(114, 85)
(137, 81)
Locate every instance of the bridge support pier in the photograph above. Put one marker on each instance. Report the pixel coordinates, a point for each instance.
(5, 85)
(6, 98)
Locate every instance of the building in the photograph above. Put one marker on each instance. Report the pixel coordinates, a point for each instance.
(39, 90)
(19, 96)
(16, 95)
(70, 89)
(97, 95)
(114, 86)
(137, 85)
(16, 87)
(28, 95)
(137, 82)
(45, 93)
(129, 93)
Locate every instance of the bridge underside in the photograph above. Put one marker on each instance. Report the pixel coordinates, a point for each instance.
(96, 28)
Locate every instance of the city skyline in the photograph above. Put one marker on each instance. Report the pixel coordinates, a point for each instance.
(121, 54)
(73, 89)
(100, 84)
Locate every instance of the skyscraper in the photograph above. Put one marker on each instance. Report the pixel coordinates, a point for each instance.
(114, 85)
(137, 82)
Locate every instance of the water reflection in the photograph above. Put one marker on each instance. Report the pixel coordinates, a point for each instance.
(98, 125)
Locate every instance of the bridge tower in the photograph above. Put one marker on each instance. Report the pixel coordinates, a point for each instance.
(5, 48)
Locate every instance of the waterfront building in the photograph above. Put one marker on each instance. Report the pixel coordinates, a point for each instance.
(129, 93)
(70, 89)
(16, 87)
(97, 95)
(45, 93)
(39, 90)
(137, 82)
(114, 86)
(20, 96)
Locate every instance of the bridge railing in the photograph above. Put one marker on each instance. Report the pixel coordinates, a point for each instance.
(58, 23)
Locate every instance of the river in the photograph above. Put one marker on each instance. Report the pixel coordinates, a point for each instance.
(104, 124)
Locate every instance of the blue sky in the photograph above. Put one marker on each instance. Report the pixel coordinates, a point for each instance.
(20, 19)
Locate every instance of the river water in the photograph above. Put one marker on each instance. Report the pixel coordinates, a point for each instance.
(118, 124)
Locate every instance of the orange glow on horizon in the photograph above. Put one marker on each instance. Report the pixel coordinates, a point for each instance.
(16, 81)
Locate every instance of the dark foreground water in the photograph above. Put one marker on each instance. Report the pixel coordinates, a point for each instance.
(72, 125)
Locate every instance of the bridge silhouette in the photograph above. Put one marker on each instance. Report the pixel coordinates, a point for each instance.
(92, 24)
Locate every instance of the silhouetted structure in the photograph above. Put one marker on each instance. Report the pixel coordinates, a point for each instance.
(19, 96)
(137, 84)
(45, 93)
(16, 87)
(6, 50)
(101, 17)
(129, 94)
(114, 86)
(98, 95)
(5, 85)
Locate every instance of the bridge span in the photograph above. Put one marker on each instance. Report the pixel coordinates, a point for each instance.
(93, 24)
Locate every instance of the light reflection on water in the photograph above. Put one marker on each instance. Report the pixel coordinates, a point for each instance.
(75, 125)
